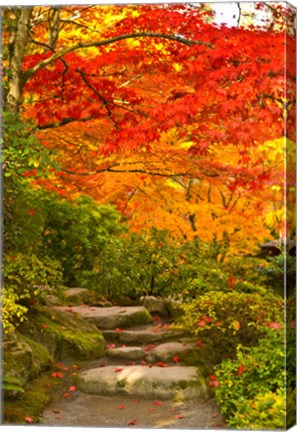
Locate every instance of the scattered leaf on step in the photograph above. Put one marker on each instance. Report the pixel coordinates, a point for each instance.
(176, 358)
(157, 403)
(47, 385)
(44, 326)
(67, 395)
(63, 328)
(69, 310)
(123, 346)
(216, 415)
(72, 388)
(28, 420)
(118, 330)
(143, 362)
(166, 326)
(102, 365)
(180, 416)
(136, 400)
(152, 409)
(110, 346)
(121, 407)
(161, 364)
(132, 422)
(65, 368)
(173, 409)
(133, 363)
(118, 369)
(157, 318)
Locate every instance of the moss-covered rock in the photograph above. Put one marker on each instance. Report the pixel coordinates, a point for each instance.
(64, 334)
(23, 358)
(77, 296)
(30, 403)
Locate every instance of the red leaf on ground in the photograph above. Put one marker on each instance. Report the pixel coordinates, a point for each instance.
(133, 363)
(72, 388)
(180, 416)
(111, 346)
(47, 385)
(102, 365)
(123, 346)
(44, 326)
(143, 362)
(69, 310)
(65, 368)
(67, 395)
(201, 323)
(132, 422)
(57, 375)
(136, 400)
(121, 407)
(63, 328)
(118, 369)
(28, 420)
(157, 403)
(152, 409)
(75, 366)
(161, 364)
(118, 330)
(176, 358)
(157, 318)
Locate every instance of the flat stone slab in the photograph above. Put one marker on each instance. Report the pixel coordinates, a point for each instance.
(112, 317)
(129, 353)
(176, 382)
(145, 336)
(167, 351)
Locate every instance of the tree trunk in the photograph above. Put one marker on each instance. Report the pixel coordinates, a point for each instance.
(17, 49)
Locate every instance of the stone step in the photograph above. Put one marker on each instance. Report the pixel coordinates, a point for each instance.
(175, 382)
(144, 336)
(166, 352)
(128, 353)
(111, 317)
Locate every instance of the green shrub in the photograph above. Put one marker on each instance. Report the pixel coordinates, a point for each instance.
(250, 388)
(275, 271)
(224, 320)
(138, 264)
(27, 280)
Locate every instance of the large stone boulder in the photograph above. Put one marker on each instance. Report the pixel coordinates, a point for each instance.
(112, 317)
(64, 334)
(145, 382)
(77, 296)
(144, 336)
(174, 307)
(23, 358)
(167, 351)
(155, 305)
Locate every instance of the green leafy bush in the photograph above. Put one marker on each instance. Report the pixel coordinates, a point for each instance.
(138, 264)
(224, 320)
(276, 269)
(27, 280)
(250, 388)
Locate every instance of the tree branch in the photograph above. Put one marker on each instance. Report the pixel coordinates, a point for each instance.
(80, 45)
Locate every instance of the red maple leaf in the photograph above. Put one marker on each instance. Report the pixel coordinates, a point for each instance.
(132, 422)
(176, 358)
(121, 407)
(28, 419)
(161, 364)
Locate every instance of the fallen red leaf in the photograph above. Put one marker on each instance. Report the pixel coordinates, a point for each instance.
(65, 368)
(102, 365)
(57, 375)
(63, 328)
(118, 330)
(44, 326)
(47, 385)
(176, 358)
(67, 395)
(143, 362)
(111, 346)
(180, 416)
(157, 403)
(72, 388)
(28, 420)
(118, 369)
(152, 409)
(132, 422)
(121, 407)
(157, 318)
(161, 364)
(75, 366)
(136, 400)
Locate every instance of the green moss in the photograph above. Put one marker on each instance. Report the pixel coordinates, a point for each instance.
(64, 334)
(31, 403)
(137, 319)
(42, 359)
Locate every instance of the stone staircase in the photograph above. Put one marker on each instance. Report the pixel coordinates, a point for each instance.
(146, 357)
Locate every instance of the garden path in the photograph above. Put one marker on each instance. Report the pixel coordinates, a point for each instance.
(144, 381)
